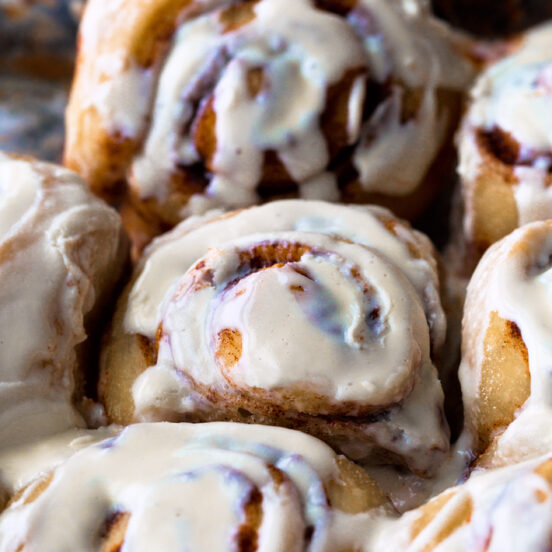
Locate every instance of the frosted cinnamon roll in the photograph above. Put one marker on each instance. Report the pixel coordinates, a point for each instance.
(202, 487)
(61, 252)
(505, 370)
(198, 104)
(298, 313)
(508, 509)
(505, 143)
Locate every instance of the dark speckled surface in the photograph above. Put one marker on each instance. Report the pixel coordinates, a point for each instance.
(37, 41)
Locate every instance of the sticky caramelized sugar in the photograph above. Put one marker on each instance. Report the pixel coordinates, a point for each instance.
(267, 254)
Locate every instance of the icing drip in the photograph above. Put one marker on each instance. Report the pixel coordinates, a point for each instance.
(20, 464)
(262, 485)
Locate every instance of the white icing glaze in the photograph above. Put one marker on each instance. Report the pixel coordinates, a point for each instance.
(173, 480)
(304, 323)
(504, 510)
(514, 280)
(302, 51)
(18, 188)
(48, 267)
(514, 95)
(21, 463)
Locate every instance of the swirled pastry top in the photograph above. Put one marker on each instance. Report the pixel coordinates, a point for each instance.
(514, 281)
(60, 250)
(353, 295)
(207, 487)
(503, 510)
(267, 75)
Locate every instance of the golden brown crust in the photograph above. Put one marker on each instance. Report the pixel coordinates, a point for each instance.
(505, 380)
(123, 358)
(495, 213)
(91, 150)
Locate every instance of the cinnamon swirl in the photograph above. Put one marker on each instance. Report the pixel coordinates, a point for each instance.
(198, 104)
(308, 315)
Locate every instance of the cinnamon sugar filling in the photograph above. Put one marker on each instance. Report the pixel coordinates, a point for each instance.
(504, 147)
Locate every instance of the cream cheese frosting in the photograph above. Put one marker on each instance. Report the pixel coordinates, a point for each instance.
(172, 481)
(300, 51)
(51, 271)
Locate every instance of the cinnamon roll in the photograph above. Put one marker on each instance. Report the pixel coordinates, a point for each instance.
(505, 370)
(506, 510)
(505, 144)
(197, 104)
(198, 487)
(61, 252)
(298, 313)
